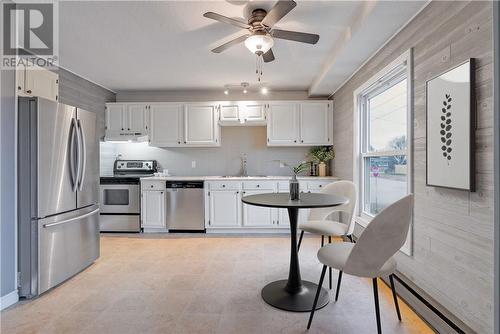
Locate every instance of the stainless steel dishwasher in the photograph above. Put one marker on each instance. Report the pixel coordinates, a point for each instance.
(185, 206)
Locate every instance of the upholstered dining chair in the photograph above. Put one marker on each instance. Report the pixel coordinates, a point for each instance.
(372, 255)
(318, 222)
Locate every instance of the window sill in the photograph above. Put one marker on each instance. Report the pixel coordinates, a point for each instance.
(363, 221)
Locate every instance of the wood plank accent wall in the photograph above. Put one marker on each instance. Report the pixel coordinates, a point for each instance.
(79, 92)
(453, 229)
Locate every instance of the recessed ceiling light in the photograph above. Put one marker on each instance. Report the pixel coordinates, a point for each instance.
(264, 90)
(245, 91)
(226, 91)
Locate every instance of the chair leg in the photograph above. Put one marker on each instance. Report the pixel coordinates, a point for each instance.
(338, 286)
(395, 296)
(320, 285)
(300, 240)
(351, 238)
(377, 308)
(330, 269)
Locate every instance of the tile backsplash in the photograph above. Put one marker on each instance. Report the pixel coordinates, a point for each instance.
(223, 160)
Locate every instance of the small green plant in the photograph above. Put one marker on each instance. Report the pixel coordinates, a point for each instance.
(322, 153)
(296, 170)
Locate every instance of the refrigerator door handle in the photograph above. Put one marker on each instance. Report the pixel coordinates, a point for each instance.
(66, 221)
(74, 173)
(84, 155)
(78, 154)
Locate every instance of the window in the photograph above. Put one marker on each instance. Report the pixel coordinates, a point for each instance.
(383, 126)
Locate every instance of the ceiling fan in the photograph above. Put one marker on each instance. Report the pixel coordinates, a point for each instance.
(260, 35)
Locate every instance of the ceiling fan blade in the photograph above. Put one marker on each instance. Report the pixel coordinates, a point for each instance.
(227, 45)
(295, 36)
(279, 10)
(225, 19)
(268, 56)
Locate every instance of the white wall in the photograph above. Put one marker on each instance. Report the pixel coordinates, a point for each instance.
(223, 160)
(453, 229)
(208, 95)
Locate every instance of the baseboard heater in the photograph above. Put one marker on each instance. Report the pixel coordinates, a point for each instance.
(431, 307)
(446, 319)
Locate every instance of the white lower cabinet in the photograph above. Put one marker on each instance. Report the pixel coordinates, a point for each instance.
(225, 208)
(256, 216)
(153, 209)
(153, 205)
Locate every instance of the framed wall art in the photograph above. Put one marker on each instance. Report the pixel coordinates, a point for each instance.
(450, 128)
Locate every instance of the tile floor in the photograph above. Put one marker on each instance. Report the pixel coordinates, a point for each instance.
(198, 284)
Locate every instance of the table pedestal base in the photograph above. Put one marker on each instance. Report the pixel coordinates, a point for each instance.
(275, 294)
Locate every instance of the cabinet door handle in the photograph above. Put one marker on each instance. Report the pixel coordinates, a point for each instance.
(179, 142)
(302, 141)
(152, 186)
(258, 186)
(295, 141)
(223, 186)
(28, 91)
(19, 88)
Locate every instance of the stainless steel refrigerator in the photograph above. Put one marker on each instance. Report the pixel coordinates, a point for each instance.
(58, 179)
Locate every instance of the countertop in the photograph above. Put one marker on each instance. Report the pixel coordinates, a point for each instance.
(236, 178)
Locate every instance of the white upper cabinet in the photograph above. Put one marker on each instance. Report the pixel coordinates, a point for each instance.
(229, 113)
(166, 124)
(315, 119)
(255, 113)
(242, 113)
(126, 120)
(136, 116)
(200, 125)
(301, 123)
(114, 118)
(282, 124)
(37, 81)
(169, 124)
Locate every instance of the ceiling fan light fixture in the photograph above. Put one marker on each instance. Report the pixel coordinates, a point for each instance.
(259, 43)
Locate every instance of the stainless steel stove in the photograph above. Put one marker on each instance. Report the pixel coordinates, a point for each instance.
(120, 195)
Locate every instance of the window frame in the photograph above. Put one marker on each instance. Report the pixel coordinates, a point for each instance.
(400, 68)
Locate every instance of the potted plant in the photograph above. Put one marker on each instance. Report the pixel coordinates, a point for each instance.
(321, 155)
(294, 183)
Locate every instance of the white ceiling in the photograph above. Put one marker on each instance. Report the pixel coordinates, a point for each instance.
(165, 45)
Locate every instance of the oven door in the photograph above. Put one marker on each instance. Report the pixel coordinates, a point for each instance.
(120, 198)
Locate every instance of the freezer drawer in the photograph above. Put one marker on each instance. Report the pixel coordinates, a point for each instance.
(67, 245)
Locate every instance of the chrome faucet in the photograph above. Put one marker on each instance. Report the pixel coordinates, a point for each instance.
(244, 170)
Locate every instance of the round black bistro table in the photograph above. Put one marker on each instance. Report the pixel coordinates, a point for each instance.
(294, 294)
